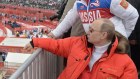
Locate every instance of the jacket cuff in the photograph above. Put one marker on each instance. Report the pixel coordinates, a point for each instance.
(32, 44)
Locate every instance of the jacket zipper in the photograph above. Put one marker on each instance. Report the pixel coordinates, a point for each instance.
(84, 62)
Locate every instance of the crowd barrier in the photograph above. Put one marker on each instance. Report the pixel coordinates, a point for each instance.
(40, 65)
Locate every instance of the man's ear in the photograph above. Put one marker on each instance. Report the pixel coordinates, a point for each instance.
(104, 35)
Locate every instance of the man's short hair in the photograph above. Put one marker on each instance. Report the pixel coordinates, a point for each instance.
(108, 26)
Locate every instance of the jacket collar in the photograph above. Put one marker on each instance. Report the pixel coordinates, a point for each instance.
(89, 45)
(111, 49)
(113, 46)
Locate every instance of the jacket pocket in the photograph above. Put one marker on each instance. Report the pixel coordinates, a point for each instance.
(110, 72)
(74, 63)
(76, 58)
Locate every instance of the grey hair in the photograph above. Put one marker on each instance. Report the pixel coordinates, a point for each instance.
(108, 26)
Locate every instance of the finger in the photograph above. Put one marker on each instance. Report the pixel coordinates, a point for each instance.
(26, 46)
(51, 35)
(28, 49)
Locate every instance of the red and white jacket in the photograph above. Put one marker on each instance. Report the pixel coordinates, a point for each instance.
(120, 12)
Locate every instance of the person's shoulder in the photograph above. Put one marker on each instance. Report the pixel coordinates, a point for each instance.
(122, 3)
(122, 57)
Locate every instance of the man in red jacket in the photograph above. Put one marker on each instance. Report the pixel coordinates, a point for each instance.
(100, 55)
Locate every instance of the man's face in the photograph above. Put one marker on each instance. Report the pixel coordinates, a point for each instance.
(94, 33)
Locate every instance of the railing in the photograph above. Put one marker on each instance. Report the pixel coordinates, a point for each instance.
(40, 65)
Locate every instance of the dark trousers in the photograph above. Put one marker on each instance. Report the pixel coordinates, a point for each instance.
(135, 55)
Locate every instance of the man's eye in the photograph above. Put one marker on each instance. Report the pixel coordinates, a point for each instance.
(91, 31)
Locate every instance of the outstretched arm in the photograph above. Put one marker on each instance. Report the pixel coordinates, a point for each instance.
(59, 47)
(67, 22)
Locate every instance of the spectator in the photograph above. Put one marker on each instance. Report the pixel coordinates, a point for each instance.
(97, 56)
(77, 28)
(14, 24)
(135, 37)
(3, 54)
(60, 11)
(120, 12)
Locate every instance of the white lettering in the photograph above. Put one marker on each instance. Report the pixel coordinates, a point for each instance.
(85, 17)
(98, 14)
(92, 16)
(81, 16)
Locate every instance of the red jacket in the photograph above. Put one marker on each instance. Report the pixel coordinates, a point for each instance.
(75, 49)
